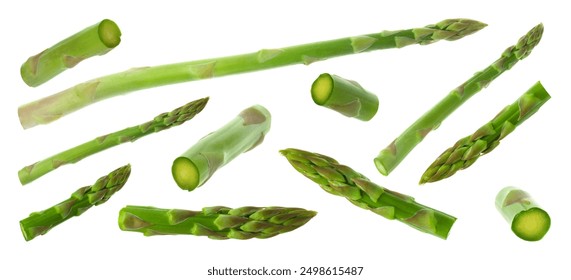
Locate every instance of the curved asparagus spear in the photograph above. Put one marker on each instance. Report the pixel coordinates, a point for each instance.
(343, 181)
(215, 222)
(390, 157)
(528, 221)
(51, 108)
(97, 39)
(243, 133)
(468, 149)
(39, 223)
(344, 96)
(161, 122)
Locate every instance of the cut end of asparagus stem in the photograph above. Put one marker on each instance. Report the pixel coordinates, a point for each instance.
(109, 33)
(321, 89)
(532, 224)
(185, 174)
(381, 166)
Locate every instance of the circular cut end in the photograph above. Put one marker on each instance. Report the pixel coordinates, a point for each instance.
(185, 174)
(381, 167)
(109, 33)
(321, 89)
(532, 224)
(25, 233)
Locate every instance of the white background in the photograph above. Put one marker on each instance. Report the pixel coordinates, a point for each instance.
(408, 82)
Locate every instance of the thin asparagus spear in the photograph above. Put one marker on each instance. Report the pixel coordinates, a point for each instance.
(468, 149)
(39, 223)
(528, 221)
(390, 157)
(343, 181)
(217, 222)
(53, 107)
(161, 122)
(97, 39)
(344, 96)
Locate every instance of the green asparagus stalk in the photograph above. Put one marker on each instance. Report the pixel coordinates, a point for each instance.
(343, 181)
(390, 157)
(39, 223)
(344, 96)
(97, 39)
(217, 222)
(51, 108)
(161, 122)
(468, 149)
(243, 133)
(528, 221)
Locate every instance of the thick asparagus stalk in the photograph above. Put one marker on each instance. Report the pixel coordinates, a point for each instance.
(161, 122)
(39, 223)
(390, 157)
(243, 133)
(53, 107)
(528, 221)
(468, 149)
(97, 39)
(215, 222)
(344, 96)
(343, 181)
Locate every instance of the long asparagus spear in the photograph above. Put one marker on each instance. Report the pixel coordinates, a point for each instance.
(215, 222)
(468, 149)
(39, 223)
(51, 108)
(97, 39)
(161, 122)
(343, 181)
(390, 157)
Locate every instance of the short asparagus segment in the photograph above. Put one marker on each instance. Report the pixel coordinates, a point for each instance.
(39, 223)
(528, 221)
(161, 122)
(343, 181)
(217, 222)
(243, 133)
(347, 97)
(390, 157)
(468, 149)
(51, 108)
(97, 39)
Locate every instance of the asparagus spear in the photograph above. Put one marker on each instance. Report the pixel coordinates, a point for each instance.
(49, 109)
(39, 223)
(468, 149)
(343, 181)
(344, 96)
(390, 157)
(215, 222)
(528, 221)
(161, 122)
(243, 133)
(97, 39)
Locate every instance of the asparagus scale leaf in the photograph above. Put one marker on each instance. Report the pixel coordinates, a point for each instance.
(390, 157)
(343, 181)
(53, 107)
(161, 122)
(217, 222)
(39, 223)
(468, 149)
(528, 221)
(97, 39)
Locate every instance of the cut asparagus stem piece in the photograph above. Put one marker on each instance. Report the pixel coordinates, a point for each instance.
(161, 122)
(97, 39)
(528, 221)
(468, 149)
(53, 107)
(344, 96)
(390, 157)
(39, 223)
(243, 133)
(217, 222)
(343, 181)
